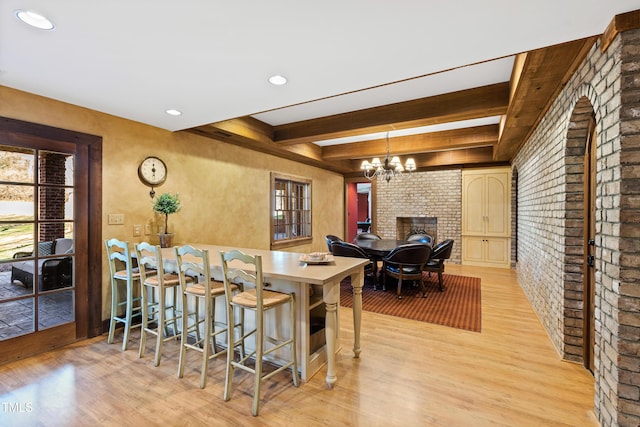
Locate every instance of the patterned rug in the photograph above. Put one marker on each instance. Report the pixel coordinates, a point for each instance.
(457, 307)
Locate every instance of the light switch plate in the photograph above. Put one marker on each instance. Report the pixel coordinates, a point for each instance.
(116, 219)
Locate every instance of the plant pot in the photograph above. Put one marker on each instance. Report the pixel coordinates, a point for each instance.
(166, 240)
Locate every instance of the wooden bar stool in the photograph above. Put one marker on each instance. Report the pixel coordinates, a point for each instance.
(259, 301)
(155, 283)
(122, 272)
(197, 287)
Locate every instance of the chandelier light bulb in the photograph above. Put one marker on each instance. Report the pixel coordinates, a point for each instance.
(391, 167)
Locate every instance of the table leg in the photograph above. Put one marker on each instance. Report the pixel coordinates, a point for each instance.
(376, 272)
(331, 296)
(331, 321)
(357, 282)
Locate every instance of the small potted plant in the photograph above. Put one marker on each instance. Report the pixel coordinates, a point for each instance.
(166, 204)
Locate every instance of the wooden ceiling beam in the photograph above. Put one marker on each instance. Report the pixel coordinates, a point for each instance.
(469, 156)
(253, 134)
(543, 74)
(486, 101)
(619, 23)
(479, 136)
(479, 156)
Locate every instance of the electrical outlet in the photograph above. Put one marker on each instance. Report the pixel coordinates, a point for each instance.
(147, 229)
(137, 230)
(116, 219)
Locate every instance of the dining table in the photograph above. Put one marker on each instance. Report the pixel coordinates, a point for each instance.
(291, 271)
(379, 249)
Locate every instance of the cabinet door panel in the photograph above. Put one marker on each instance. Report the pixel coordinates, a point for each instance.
(472, 249)
(473, 218)
(497, 205)
(497, 251)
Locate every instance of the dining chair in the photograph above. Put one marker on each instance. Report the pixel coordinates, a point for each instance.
(122, 272)
(440, 253)
(422, 238)
(330, 238)
(258, 300)
(366, 236)
(406, 263)
(155, 283)
(347, 249)
(198, 288)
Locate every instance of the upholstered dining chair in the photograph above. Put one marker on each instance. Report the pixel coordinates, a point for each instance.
(200, 289)
(258, 300)
(330, 238)
(440, 253)
(123, 274)
(347, 249)
(155, 284)
(422, 238)
(406, 263)
(366, 236)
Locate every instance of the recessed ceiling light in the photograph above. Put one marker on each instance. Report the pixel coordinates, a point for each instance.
(278, 80)
(173, 112)
(34, 19)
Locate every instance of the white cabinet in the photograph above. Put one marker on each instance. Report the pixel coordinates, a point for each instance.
(486, 211)
(486, 251)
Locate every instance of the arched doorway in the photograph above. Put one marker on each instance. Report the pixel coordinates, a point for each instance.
(580, 238)
(589, 246)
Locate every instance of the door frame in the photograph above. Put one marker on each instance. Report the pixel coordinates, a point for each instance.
(589, 232)
(88, 268)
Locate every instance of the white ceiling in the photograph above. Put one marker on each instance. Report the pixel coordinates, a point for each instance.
(211, 59)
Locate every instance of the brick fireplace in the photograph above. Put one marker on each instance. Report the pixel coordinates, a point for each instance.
(430, 200)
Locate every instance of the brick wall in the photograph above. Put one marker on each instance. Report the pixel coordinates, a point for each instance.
(422, 194)
(621, 256)
(549, 222)
(52, 199)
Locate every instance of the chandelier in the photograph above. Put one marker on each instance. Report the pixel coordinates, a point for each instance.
(391, 167)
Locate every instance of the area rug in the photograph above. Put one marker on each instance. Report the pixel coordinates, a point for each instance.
(458, 306)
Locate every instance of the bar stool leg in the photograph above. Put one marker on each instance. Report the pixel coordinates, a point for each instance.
(128, 316)
(114, 311)
(258, 367)
(232, 343)
(161, 327)
(296, 380)
(206, 341)
(145, 321)
(183, 335)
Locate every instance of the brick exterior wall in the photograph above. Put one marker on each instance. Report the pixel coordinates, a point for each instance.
(52, 199)
(549, 222)
(422, 194)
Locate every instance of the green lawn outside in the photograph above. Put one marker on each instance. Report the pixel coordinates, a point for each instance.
(15, 238)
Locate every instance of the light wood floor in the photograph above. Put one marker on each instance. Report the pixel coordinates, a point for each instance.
(409, 373)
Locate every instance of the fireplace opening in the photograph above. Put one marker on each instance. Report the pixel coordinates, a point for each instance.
(405, 226)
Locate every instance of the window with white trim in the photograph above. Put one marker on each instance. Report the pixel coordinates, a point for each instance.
(290, 210)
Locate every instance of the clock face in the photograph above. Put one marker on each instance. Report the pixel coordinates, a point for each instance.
(152, 171)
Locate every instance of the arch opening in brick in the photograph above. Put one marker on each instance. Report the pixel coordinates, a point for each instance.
(580, 126)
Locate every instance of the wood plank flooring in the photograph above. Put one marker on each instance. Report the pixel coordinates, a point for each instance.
(409, 374)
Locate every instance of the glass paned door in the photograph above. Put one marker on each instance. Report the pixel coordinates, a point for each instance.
(37, 255)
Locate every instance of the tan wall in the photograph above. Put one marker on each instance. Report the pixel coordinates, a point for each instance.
(224, 189)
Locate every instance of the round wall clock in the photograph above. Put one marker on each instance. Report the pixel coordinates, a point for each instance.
(152, 172)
